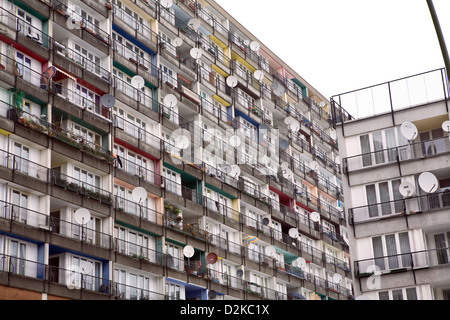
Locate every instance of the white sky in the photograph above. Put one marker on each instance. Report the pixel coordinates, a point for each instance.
(343, 45)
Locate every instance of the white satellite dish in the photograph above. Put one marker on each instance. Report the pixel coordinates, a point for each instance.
(299, 263)
(139, 194)
(182, 142)
(314, 166)
(196, 53)
(278, 88)
(82, 216)
(337, 278)
(289, 120)
(108, 101)
(166, 3)
(86, 267)
(235, 141)
(292, 123)
(287, 173)
(137, 82)
(177, 42)
(232, 81)
(409, 131)
(293, 233)
(259, 75)
(194, 24)
(170, 100)
(246, 42)
(235, 171)
(337, 160)
(270, 251)
(255, 46)
(407, 189)
(446, 127)
(428, 182)
(188, 251)
(333, 135)
(227, 169)
(315, 216)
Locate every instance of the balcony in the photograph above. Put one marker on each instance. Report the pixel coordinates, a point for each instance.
(246, 81)
(132, 213)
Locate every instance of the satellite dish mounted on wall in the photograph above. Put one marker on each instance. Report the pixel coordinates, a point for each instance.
(278, 88)
(82, 216)
(409, 131)
(139, 194)
(259, 75)
(337, 278)
(170, 101)
(270, 251)
(138, 82)
(177, 42)
(407, 189)
(188, 251)
(196, 53)
(166, 3)
(314, 166)
(293, 233)
(299, 263)
(446, 128)
(255, 46)
(211, 258)
(428, 182)
(194, 24)
(212, 294)
(232, 81)
(108, 101)
(239, 273)
(315, 216)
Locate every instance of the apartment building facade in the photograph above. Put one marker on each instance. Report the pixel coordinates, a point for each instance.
(146, 155)
(396, 182)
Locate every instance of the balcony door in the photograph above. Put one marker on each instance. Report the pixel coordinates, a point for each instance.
(392, 251)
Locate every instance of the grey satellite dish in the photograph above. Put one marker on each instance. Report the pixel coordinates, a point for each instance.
(266, 221)
(314, 166)
(235, 141)
(196, 53)
(138, 82)
(409, 131)
(232, 81)
(170, 100)
(278, 88)
(255, 46)
(82, 216)
(239, 273)
(212, 294)
(270, 251)
(293, 233)
(108, 101)
(284, 144)
(235, 171)
(299, 263)
(166, 3)
(259, 75)
(177, 42)
(428, 182)
(86, 267)
(337, 278)
(407, 189)
(139, 194)
(194, 24)
(315, 216)
(188, 251)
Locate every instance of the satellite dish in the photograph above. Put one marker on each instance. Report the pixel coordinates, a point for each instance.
(287, 173)
(315, 216)
(270, 251)
(50, 72)
(166, 3)
(239, 273)
(212, 294)
(344, 237)
(86, 267)
(188, 251)
(323, 104)
(259, 75)
(177, 42)
(108, 101)
(409, 131)
(299, 263)
(284, 144)
(137, 82)
(194, 24)
(428, 182)
(407, 189)
(139, 194)
(211, 258)
(170, 100)
(314, 166)
(255, 46)
(337, 160)
(196, 53)
(235, 141)
(182, 142)
(235, 171)
(227, 169)
(278, 88)
(246, 43)
(333, 135)
(266, 221)
(232, 81)
(446, 127)
(293, 233)
(82, 216)
(337, 278)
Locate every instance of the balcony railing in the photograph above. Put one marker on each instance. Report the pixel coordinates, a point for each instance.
(403, 262)
(136, 58)
(135, 94)
(411, 205)
(418, 150)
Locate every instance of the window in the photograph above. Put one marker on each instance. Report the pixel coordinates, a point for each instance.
(173, 291)
(88, 99)
(399, 294)
(168, 76)
(19, 201)
(86, 179)
(24, 66)
(172, 181)
(22, 155)
(18, 253)
(87, 59)
(131, 286)
(392, 251)
(384, 197)
(442, 241)
(133, 243)
(173, 252)
(85, 273)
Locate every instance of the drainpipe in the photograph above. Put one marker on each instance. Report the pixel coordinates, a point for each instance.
(441, 40)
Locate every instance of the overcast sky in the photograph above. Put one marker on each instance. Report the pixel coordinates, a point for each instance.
(343, 45)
